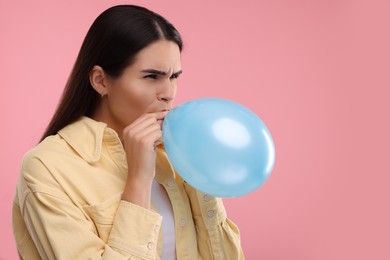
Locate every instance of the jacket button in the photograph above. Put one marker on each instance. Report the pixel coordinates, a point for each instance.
(151, 246)
(183, 222)
(207, 198)
(211, 213)
(171, 183)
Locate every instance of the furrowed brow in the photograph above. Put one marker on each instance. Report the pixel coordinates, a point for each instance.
(153, 71)
(177, 73)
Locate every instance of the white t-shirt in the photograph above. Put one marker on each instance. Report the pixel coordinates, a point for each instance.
(163, 204)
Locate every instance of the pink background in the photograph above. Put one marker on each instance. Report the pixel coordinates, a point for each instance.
(317, 73)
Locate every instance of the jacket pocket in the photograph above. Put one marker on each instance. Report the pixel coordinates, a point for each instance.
(103, 215)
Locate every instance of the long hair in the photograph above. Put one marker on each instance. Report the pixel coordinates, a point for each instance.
(112, 42)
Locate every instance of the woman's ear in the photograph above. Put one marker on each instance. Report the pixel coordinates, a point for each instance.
(98, 80)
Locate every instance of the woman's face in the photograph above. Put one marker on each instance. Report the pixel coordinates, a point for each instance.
(149, 84)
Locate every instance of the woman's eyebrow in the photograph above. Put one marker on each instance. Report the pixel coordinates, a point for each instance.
(177, 73)
(154, 71)
(160, 72)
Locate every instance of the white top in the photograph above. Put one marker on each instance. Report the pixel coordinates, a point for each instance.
(163, 204)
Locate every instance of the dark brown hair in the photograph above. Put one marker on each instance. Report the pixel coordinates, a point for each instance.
(112, 42)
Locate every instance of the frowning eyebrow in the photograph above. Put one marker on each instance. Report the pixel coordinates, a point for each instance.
(160, 72)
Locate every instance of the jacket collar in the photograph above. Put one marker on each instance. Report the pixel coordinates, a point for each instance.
(86, 137)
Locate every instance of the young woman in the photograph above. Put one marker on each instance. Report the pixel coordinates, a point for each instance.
(99, 185)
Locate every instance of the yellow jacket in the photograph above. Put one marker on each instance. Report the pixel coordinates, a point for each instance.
(68, 204)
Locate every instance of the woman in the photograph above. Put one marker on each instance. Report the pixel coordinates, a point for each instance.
(99, 185)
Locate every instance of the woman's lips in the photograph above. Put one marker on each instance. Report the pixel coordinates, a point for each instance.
(160, 121)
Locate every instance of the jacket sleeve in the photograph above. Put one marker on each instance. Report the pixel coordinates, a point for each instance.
(60, 229)
(218, 237)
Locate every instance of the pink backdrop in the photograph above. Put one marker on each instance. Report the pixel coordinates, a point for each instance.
(317, 73)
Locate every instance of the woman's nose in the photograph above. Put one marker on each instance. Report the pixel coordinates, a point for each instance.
(167, 91)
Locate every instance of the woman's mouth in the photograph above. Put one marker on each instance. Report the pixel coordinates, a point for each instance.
(160, 121)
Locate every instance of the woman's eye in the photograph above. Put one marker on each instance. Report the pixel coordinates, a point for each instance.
(174, 76)
(151, 76)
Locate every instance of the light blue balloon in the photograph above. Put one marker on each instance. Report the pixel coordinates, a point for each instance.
(218, 146)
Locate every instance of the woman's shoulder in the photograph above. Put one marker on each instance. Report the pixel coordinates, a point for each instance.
(76, 138)
(47, 150)
(55, 156)
(36, 171)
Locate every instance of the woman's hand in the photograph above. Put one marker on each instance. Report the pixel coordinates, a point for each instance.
(140, 140)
